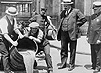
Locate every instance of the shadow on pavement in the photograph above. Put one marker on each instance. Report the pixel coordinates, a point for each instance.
(41, 67)
(68, 65)
(59, 64)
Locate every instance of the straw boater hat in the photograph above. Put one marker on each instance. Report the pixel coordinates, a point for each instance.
(69, 2)
(11, 11)
(96, 4)
(33, 24)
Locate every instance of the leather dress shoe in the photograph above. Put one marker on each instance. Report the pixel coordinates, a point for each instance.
(71, 67)
(9, 71)
(62, 66)
(97, 70)
(50, 70)
(90, 68)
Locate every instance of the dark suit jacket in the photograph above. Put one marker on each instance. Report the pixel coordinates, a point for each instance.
(72, 23)
(94, 33)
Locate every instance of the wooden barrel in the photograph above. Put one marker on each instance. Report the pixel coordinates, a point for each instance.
(27, 44)
(16, 60)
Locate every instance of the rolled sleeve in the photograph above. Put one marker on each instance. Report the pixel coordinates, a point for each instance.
(40, 35)
(3, 26)
(80, 14)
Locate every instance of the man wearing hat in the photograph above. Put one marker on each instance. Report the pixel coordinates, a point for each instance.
(94, 36)
(41, 19)
(8, 27)
(68, 32)
(35, 32)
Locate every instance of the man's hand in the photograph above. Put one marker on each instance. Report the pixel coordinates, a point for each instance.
(31, 37)
(98, 42)
(21, 36)
(15, 43)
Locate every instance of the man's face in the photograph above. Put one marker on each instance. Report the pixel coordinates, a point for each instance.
(67, 6)
(11, 17)
(95, 9)
(43, 12)
(33, 30)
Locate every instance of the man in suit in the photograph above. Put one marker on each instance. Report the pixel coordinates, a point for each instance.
(67, 32)
(94, 36)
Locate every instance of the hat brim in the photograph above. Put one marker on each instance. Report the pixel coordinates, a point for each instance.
(42, 9)
(11, 14)
(69, 3)
(34, 25)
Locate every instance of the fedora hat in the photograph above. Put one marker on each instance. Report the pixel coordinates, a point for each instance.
(11, 11)
(33, 24)
(69, 2)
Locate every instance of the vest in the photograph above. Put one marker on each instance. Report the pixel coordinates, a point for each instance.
(11, 32)
(65, 22)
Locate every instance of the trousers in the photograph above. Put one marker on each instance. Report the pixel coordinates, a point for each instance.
(5, 56)
(96, 55)
(45, 47)
(65, 40)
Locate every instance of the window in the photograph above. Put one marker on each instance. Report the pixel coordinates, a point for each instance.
(24, 10)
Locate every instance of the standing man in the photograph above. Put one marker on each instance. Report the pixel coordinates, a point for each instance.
(8, 26)
(94, 36)
(41, 19)
(68, 32)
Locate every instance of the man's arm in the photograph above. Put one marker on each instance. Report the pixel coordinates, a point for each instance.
(4, 30)
(14, 43)
(50, 22)
(39, 37)
(99, 37)
(16, 29)
(81, 22)
(80, 18)
(33, 19)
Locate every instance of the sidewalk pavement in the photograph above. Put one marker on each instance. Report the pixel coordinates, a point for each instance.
(83, 46)
(82, 62)
(82, 58)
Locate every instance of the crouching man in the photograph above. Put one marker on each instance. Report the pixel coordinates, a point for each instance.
(37, 35)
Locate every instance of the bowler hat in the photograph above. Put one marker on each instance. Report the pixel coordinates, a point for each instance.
(69, 2)
(11, 11)
(33, 24)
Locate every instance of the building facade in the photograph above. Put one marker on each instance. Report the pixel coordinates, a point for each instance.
(54, 8)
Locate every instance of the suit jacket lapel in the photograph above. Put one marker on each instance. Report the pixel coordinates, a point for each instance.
(70, 13)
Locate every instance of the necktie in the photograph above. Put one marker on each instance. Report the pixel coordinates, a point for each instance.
(66, 13)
